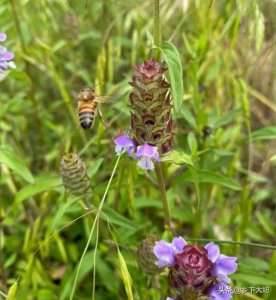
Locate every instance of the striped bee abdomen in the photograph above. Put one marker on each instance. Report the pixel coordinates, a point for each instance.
(86, 113)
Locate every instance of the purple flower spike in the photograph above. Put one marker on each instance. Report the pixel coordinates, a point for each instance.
(165, 254)
(124, 143)
(147, 153)
(3, 37)
(201, 271)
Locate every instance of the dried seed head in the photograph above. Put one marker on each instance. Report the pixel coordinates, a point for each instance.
(150, 103)
(146, 257)
(74, 174)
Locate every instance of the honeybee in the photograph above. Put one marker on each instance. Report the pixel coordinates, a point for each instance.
(88, 106)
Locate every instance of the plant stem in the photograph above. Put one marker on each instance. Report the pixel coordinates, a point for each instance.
(156, 29)
(91, 233)
(162, 190)
(159, 170)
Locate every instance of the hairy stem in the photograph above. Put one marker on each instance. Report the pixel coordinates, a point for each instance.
(162, 190)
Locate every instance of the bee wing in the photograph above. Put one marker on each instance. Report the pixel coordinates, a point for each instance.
(107, 99)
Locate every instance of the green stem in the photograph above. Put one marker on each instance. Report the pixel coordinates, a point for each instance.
(92, 231)
(234, 243)
(156, 29)
(162, 190)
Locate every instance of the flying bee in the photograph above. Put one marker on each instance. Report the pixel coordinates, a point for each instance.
(88, 106)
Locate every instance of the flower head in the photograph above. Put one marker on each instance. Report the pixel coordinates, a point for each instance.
(124, 143)
(150, 70)
(5, 57)
(202, 270)
(146, 154)
(151, 104)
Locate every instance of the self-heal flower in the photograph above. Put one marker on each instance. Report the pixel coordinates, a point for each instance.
(194, 269)
(124, 143)
(146, 155)
(151, 104)
(5, 58)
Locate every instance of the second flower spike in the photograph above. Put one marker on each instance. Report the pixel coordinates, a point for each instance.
(150, 103)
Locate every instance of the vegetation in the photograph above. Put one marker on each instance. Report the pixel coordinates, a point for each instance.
(218, 179)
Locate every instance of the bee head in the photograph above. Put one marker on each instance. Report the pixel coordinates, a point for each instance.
(86, 93)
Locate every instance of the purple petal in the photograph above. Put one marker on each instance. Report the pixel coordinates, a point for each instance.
(156, 157)
(169, 298)
(3, 37)
(178, 244)
(145, 163)
(220, 291)
(126, 143)
(147, 150)
(213, 251)
(224, 265)
(165, 254)
(7, 56)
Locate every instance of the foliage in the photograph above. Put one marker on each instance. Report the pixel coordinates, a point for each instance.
(219, 178)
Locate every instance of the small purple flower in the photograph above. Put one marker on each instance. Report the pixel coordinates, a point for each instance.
(146, 154)
(165, 252)
(124, 143)
(194, 264)
(169, 298)
(5, 58)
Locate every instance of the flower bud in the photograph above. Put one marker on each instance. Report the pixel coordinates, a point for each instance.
(146, 257)
(74, 174)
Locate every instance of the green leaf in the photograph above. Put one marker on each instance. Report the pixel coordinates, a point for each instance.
(61, 210)
(211, 177)
(95, 167)
(86, 265)
(12, 292)
(172, 58)
(12, 161)
(265, 222)
(125, 276)
(115, 218)
(20, 75)
(111, 282)
(261, 279)
(196, 180)
(192, 143)
(41, 185)
(227, 118)
(265, 133)
(178, 158)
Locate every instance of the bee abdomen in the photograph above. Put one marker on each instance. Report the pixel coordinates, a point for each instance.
(86, 119)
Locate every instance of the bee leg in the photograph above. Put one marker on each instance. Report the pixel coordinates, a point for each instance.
(101, 118)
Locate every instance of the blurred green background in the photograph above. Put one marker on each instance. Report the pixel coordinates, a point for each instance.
(227, 50)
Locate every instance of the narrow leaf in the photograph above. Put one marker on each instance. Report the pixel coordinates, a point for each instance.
(125, 276)
(212, 177)
(41, 185)
(265, 133)
(172, 58)
(12, 161)
(12, 292)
